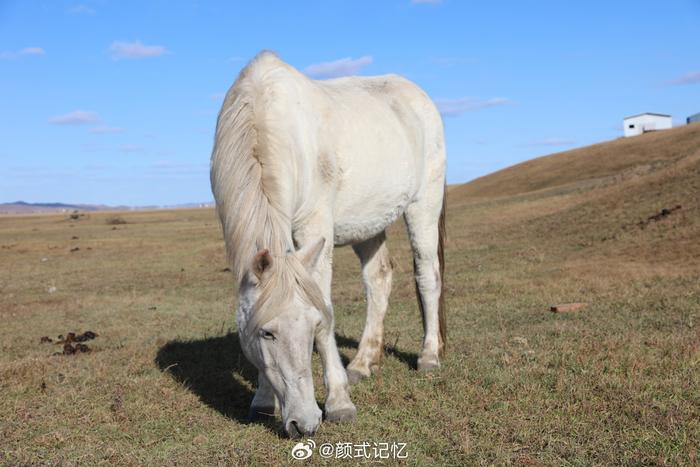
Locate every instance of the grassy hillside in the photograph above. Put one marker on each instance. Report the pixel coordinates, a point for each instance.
(596, 204)
(165, 383)
(583, 166)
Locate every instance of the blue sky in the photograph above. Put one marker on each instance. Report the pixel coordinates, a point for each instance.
(115, 101)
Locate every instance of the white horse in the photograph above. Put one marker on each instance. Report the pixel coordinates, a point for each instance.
(299, 166)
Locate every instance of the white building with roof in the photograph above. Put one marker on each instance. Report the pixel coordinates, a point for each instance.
(648, 121)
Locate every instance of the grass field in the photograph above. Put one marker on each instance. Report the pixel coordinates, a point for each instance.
(165, 383)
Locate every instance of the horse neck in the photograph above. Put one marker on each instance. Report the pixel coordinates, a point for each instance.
(255, 164)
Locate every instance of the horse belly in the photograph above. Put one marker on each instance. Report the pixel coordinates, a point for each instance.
(380, 167)
(358, 222)
(375, 189)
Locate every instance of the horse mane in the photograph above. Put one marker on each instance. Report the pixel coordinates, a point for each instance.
(277, 287)
(251, 182)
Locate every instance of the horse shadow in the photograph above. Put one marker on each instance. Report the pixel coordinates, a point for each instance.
(217, 371)
(213, 368)
(409, 359)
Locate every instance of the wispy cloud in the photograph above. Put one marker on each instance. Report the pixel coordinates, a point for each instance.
(38, 173)
(96, 167)
(77, 117)
(104, 129)
(689, 78)
(134, 50)
(93, 147)
(217, 96)
(552, 142)
(164, 164)
(130, 148)
(32, 51)
(81, 10)
(455, 107)
(341, 67)
(27, 51)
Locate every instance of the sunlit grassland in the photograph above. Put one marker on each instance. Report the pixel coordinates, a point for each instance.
(166, 383)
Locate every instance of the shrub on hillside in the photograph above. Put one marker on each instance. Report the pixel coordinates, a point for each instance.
(115, 220)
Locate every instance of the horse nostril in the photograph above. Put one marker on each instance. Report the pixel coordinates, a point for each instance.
(294, 431)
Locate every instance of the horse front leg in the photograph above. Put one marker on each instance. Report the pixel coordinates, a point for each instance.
(339, 407)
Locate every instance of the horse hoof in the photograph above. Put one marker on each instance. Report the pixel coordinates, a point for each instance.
(261, 414)
(355, 376)
(341, 416)
(428, 365)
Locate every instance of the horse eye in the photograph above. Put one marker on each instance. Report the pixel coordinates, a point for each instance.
(267, 335)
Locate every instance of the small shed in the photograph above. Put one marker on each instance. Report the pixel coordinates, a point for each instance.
(648, 121)
(695, 118)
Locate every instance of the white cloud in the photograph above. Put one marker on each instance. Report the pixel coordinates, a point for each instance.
(552, 142)
(32, 51)
(77, 117)
(27, 51)
(455, 107)
(93, 147)
(82, 10)
(96, 167)
(164, 164)
(131, 50)
(104, 129)
(342, 67)
(130, 148)
(689, 78)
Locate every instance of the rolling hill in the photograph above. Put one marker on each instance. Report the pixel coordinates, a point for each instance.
(624, 203)
(623, 157)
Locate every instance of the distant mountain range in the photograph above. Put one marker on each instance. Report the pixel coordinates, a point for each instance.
(21, 207)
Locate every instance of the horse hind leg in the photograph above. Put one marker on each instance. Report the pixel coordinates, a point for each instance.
(425, 224)
(377, 276)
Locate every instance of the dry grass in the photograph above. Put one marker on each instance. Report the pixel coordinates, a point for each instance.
(615, 383)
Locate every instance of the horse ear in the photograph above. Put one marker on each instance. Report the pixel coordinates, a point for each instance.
(310, 253)
(262, 263)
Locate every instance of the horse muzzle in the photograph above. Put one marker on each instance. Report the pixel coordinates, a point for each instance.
(297, 427)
